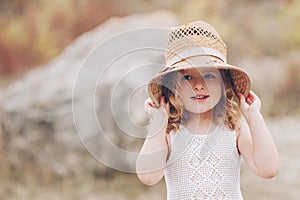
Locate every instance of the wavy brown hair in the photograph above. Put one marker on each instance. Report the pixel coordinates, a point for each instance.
(227, 111)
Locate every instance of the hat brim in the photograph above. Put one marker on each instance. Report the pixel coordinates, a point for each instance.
(241, 80)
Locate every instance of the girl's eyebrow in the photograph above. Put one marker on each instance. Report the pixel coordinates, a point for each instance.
(185, 72)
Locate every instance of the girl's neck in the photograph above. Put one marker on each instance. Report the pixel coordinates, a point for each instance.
(200, 123)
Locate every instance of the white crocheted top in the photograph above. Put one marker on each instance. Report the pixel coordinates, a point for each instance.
(203, 166)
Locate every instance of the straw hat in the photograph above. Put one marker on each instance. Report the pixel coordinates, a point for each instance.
(197, 45)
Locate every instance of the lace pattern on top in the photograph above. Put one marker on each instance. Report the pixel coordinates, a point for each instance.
(204, 166)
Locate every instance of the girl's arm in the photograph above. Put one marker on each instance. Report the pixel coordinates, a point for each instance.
(255, 141)
(151, 161)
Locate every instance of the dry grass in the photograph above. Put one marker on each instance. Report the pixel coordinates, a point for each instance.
(27, 185)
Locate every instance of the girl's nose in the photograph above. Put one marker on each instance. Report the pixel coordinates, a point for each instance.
(199, 85)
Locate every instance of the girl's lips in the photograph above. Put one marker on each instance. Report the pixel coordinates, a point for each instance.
(200, 97)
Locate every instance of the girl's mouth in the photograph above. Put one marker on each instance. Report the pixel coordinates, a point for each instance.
(200, 97)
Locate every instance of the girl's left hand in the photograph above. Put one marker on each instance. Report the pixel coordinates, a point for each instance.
(250, 104)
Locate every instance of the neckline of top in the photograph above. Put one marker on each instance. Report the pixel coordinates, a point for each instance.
(215, 130)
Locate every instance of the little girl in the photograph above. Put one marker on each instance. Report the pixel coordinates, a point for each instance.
(204, 117)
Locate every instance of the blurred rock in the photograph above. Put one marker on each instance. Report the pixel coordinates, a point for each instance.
(37, 123)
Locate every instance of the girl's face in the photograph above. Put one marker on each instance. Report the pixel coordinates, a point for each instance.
(200, 89)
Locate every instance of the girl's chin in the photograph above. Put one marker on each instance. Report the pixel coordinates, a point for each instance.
(198, 111)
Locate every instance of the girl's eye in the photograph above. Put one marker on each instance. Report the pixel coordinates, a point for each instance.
(187, 77)
(209, 76)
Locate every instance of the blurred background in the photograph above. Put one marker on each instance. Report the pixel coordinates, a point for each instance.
(42, 44)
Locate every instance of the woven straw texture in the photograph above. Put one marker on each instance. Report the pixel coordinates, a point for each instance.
(196, 34)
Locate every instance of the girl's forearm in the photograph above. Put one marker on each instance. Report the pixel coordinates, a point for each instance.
(265, 153)
(152, 157)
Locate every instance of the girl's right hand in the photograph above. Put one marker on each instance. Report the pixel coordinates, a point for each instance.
(156, 112)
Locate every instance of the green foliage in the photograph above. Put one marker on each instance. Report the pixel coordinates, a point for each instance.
(290, 24)
(32, 32)
(256, 28)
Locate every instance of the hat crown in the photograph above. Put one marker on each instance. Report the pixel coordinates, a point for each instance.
(197, 34)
